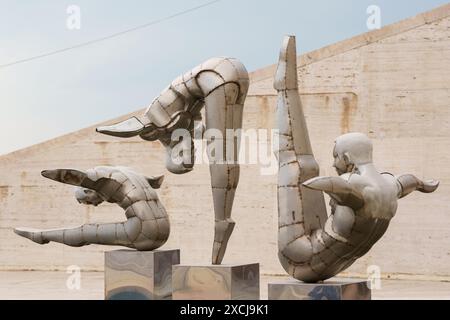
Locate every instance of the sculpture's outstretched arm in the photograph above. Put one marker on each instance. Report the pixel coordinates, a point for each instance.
(408, 183)
(125, 129)
(338, 189)
(69, 176)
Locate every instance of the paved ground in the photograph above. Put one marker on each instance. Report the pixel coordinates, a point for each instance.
(53, 285)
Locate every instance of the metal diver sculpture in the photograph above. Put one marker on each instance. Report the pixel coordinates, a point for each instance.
(220, 86)
(312, 245)
(146, 228)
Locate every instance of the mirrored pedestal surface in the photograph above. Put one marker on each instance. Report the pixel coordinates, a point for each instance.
(216, 282)
(139, 275)
(328, 290)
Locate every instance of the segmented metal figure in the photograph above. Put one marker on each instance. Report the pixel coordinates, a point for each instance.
(147, 225)
(312, 245)
(220, 85)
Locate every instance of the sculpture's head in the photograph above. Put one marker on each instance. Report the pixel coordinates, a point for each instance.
(88, 196)
(350, 151)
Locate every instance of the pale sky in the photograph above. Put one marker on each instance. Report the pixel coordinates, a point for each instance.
(47, 97)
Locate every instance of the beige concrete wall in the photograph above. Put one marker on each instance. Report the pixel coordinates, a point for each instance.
(393, 84)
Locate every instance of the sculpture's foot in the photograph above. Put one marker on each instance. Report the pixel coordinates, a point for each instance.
(222, 233)
(34, 235)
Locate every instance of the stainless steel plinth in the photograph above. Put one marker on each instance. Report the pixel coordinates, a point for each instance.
(139, 275)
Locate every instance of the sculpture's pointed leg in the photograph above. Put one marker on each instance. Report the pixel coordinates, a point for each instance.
(291, 119)
(297, 204)
(32, 234)
(301, 211)
(126, 234)
(223, 112)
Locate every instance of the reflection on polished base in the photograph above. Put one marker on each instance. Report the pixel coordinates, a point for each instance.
(139, 275)
(328, 290)
(216, 282)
